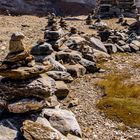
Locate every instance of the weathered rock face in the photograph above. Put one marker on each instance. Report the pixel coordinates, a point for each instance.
(42, 6)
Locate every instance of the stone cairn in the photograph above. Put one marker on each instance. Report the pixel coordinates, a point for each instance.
(29, 108)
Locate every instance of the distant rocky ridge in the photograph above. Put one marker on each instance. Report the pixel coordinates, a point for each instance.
(61, 7)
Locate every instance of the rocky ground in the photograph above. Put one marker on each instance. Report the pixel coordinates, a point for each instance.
(95, 125)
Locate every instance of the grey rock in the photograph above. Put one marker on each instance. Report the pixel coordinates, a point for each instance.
(76, 70)
(111, 48)
(63, 120)
(134, 47)
(97, 44)
(56, 65)
(42, 49)
(121, 43)
(40, 130)
(89, 65)
(26, 105)
(126, 48)
(62, 90)
(119, 48)
(68, 56)
(60, 75)
(40, 87)
(53, 35)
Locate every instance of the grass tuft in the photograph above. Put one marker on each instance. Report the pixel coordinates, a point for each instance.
(121, 99)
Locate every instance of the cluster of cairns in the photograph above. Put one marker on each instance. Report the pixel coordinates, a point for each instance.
(127, 40)
(33, 81)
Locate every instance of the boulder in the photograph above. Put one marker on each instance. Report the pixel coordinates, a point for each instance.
(25, 72)
(62, 90)
(68, 56)
(53, 35)
(56, 65)
(100, 55)
(7, 133)
(126, 48)
(97, 44)
(40, 130)
(111, 48)
(134, 48)
(41, 87)
(121, 43)
(76, 70)
(26, 105)
(16, 45)
(136, 43)
(119, 48)
(89, 65)
(42, 49)
(52, 102)
(60, 75)
(63, 120)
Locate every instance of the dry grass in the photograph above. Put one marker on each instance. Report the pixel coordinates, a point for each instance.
(121, 99)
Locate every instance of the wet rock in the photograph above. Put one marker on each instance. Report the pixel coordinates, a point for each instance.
(41, 87)
(89, 65)
(26, 105)
(63, 120)
(111, 48)
(38, 131)
(69, 56)
(76, 70)
(60, 75)
(97, 44)
(62, 90)
(42, 49)
(25, 72)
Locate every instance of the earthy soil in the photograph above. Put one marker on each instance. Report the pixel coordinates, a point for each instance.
(95, 125)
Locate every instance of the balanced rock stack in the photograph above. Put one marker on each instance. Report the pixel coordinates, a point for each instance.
(28, 104)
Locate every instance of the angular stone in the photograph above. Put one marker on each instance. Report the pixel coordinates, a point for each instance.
(111, 48)
(53, 35)
(63, 120)
(97, 44)
(40, 131)
(126, 48)
(89, 65)
(76, 70)
(137, 43)
(73, 102)
(62, 90)
(16, 44)
(7, 133)
(56, 65)
(134, 47)
(100, 55)
(60, 75)
(52, 102)
(121, 43)
(119, 48)
(26, 105)
(69, 56)
(25, 72)
(42, 49)
(41, 87)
